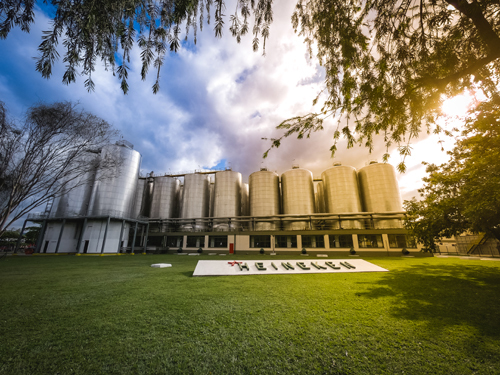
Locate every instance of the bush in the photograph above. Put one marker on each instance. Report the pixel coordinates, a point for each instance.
(200, 250)
(261, 251)
(179, 250)
(304, 251)
(404, 251)
(352, 251)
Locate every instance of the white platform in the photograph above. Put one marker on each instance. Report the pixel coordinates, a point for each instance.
(161, 265)
(230, 268)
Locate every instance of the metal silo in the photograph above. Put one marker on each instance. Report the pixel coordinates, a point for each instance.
(227, 198)
(342, 194)
(195, 200)
(165, 194)
(320, 198)
(264, 197)
(139, 192)
(116, 181)
(380, 192)
(76, 197)
(143, 195)
(298, 196)
(245, 205)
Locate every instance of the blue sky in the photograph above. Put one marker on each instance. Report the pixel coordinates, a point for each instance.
(216, 101)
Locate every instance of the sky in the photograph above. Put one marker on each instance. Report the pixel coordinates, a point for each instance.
(217, 100)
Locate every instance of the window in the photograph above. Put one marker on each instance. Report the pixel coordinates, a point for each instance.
(343, 240)
(217, 241)
(174, 241)
(313, 241)
(401, 240)
(195, 241)
(155, 240)
(370, 241)
(286, 241)
(260, 241)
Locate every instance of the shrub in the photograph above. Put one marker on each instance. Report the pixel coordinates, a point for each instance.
(261, 251)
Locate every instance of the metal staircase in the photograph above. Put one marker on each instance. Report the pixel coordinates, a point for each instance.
(481, 239)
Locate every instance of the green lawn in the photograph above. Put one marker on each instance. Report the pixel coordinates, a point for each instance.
(117, 315)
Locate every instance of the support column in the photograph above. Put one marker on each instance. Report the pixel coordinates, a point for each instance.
(20, 237)
(105, 234)
(82, 233)
(41, 234)
(60, 235)
(121, 236)
(146, 238)
(135, 234)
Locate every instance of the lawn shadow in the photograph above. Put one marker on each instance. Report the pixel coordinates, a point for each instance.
(444, 296)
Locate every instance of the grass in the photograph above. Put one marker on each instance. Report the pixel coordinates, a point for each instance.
(117, 315)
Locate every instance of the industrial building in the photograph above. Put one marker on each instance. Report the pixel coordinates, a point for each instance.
(214, 211)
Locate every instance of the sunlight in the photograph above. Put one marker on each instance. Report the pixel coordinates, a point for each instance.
(458, 105)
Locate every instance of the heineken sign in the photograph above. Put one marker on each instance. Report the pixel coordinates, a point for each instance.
(273, 267)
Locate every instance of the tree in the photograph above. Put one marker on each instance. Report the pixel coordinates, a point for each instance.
(48, 155)
(8, 239)
(463, 194)
(31, 234)
(388, 64)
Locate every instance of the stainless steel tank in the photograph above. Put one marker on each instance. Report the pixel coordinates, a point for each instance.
(298, 196)
(245, 206)
(227, 199)
(320, 198)
(195, 201)
(165, 194)
(116, 182)
(139, 193)
(143, 195)
(76, 195)
(380, 192)
(211, 202)
(264, 197)
(342, 194)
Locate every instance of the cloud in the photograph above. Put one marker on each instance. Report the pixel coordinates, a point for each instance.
(217, 100)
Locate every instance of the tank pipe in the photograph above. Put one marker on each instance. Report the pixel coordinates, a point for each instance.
(60, 236)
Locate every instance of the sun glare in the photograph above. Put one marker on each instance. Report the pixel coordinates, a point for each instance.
(458, 105)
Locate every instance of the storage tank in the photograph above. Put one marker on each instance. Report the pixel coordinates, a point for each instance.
(227, 198)
(264, 197)
(320, 198)
(76, 195)
(298, 196)
(245, 205)
(142, 200)
(195, 200)
(139, 192)
(164, 201)
(342, 194)
(380, 192)
(116, 182)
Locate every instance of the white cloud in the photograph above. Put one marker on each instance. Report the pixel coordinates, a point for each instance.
(217, 100)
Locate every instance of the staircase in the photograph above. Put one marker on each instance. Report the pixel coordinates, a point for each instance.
(481, 239)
